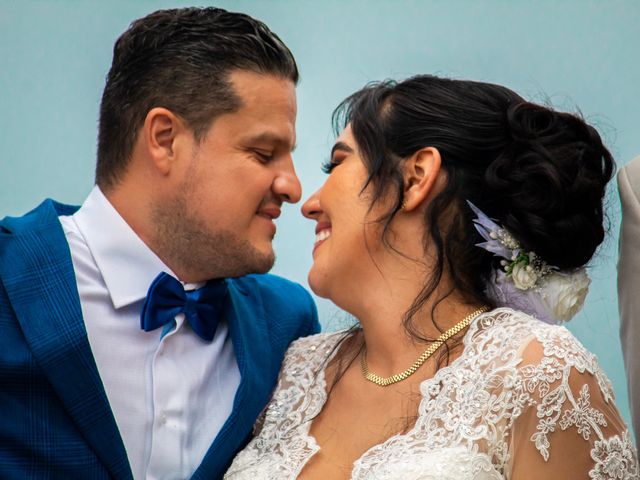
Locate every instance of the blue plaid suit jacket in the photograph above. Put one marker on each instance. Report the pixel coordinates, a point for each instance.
(55, 419)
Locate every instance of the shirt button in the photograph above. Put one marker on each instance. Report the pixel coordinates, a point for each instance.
(163, 418)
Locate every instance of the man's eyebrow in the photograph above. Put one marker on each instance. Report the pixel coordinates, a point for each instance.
(342, 147)
(272, 138)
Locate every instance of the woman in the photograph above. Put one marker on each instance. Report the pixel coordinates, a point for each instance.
(448, 202)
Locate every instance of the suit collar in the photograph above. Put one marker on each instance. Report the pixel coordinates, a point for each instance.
(43, 216)
(38, 275)
(250, 336)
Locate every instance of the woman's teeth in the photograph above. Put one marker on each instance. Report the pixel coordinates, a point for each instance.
(322, 235)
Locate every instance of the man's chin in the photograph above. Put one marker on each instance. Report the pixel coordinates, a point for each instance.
(255, 262)
(263, 257)
(265, 263)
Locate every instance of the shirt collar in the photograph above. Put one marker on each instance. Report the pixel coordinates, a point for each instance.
(127, 264)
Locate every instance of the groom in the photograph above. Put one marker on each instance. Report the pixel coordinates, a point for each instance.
(138, 336)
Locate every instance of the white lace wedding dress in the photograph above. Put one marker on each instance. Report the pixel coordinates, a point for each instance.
(524, 400)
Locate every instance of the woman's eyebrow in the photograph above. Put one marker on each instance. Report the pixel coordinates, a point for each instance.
(342, 147)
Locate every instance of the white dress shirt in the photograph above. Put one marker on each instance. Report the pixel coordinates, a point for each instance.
(170, 394)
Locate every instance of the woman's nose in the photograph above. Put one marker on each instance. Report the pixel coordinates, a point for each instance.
(311, 208)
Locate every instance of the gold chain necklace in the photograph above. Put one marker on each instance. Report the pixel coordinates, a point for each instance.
(385, 381)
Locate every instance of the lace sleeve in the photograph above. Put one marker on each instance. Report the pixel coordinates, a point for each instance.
(281, 445)
(569, 427)
(302, 363)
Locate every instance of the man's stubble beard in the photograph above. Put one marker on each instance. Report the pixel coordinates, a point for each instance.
(186, 242)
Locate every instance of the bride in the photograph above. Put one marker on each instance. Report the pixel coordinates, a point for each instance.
(455, 225)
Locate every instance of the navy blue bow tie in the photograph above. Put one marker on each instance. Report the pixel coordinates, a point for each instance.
(167, 298)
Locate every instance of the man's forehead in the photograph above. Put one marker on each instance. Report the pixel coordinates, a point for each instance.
(266, 113)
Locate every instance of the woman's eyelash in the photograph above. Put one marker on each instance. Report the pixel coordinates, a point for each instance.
(329, 165)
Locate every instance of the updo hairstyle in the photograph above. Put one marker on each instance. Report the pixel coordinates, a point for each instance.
(540, 173)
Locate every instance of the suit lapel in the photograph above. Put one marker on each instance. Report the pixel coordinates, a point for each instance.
(249, 333)
(38, 275)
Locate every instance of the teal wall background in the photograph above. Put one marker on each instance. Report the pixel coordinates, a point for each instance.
(583, 54)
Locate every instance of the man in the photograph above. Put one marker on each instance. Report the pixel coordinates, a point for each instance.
(136, 340)
(628, 280)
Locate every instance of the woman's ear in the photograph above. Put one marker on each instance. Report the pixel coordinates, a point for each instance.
(421, 171)
(160, 131)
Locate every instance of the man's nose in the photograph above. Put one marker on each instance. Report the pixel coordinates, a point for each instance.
(286, 185)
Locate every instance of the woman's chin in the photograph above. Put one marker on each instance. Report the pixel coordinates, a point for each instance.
(318, 283)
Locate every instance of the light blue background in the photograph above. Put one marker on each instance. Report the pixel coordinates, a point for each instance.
(54, 56)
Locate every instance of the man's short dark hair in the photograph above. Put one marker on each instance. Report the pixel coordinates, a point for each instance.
(180, 59)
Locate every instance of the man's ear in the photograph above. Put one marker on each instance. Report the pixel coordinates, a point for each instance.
(160, 130)
(421, 171)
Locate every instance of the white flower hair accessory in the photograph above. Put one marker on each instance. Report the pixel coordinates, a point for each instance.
(525, 281)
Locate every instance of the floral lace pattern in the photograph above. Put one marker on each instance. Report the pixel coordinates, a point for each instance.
(512, 367)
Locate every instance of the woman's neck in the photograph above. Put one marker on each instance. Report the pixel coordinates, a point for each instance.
(381, 304)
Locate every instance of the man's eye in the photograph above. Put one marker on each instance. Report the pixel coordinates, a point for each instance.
(263, 157)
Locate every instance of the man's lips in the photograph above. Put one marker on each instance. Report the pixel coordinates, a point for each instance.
(270, 213)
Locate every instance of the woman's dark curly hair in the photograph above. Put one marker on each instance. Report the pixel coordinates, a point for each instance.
(540, 173)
